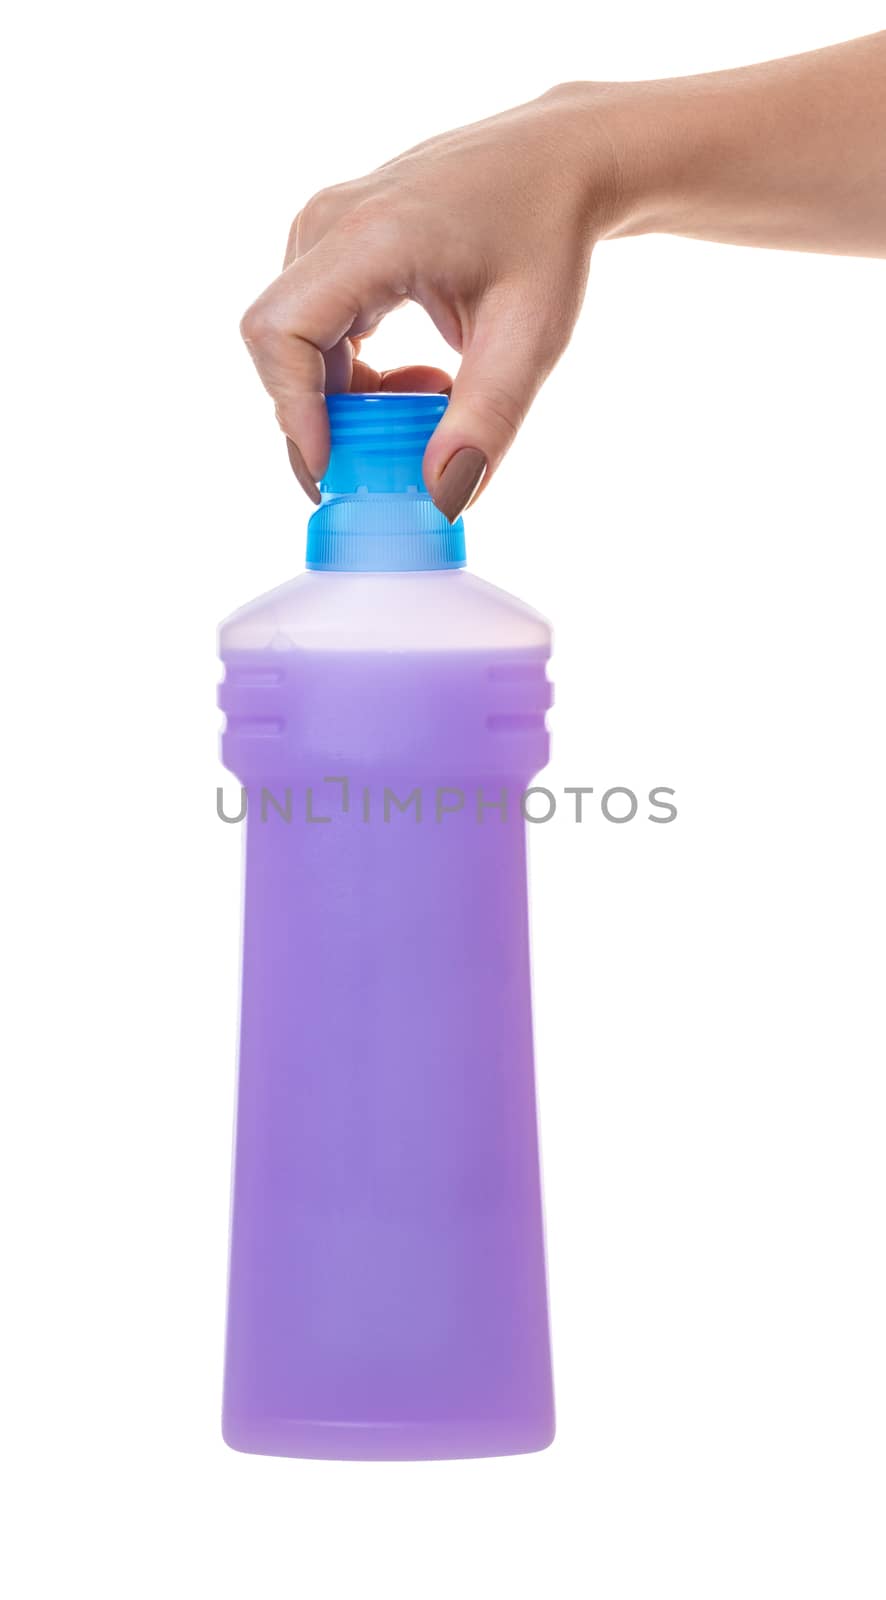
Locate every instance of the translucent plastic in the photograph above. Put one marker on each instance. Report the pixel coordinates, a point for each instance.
(451, 610)
(387, 1294)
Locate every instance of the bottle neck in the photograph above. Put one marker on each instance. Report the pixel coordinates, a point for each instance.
(383, 532)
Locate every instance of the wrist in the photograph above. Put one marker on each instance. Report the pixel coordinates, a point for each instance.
(640, 147)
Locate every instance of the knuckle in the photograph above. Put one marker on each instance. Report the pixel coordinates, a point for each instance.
(257, 323)
(375, 215)
(317, 215)
(317, 206)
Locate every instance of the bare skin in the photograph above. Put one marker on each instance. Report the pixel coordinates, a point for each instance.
(491, 227)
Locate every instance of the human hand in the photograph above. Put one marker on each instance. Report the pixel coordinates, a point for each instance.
(489, 228)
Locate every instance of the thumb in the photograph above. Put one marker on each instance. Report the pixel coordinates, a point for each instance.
(509, 354)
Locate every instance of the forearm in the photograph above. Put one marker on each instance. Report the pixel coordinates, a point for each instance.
(789, 154)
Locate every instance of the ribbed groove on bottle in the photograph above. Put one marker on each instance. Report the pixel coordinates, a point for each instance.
(256, 727)
(254, 677)
(515, 721)
(518, 672)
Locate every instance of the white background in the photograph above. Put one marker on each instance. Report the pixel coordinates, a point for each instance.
(696, 502)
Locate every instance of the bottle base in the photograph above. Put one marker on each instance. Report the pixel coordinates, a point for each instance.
(387, 1441)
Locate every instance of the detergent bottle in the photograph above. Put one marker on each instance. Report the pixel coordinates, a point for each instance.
(385, 713)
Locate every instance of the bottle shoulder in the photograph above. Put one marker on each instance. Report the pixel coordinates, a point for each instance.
(450, 610)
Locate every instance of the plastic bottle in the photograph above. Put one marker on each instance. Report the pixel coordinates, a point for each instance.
(385, 711)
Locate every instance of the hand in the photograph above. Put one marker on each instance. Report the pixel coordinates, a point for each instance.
(490, 228)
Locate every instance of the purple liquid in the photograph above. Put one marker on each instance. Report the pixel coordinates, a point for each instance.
(387, 1291)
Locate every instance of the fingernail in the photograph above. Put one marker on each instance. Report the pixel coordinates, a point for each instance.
(458, 481)
(296, 461)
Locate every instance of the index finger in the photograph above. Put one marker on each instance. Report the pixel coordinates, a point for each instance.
(319, 299)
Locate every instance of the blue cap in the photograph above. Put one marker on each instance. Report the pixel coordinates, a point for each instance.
(376, 514)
